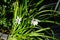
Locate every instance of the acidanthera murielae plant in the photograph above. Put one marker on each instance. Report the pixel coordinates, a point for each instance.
(25, 24)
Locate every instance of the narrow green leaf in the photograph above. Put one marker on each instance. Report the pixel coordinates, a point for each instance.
(38, 3)
(44, 11)
(50, 21)
(43, 29)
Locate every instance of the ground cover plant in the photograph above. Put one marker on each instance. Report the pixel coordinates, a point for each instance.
(27, 18)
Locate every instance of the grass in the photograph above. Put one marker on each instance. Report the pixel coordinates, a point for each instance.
(26, 21)
(24, 30)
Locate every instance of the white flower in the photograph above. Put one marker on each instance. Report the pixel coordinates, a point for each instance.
(18, 20)
(35, 21)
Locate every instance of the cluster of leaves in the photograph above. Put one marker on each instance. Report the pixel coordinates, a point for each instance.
(26, 10)
(24, 30)
(6, 14)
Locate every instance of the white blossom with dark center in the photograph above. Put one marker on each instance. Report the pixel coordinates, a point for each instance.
(34, 21)
(18, 20)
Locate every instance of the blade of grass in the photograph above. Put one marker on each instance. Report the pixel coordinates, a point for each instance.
(50, 21)
(43, 29)
(38, 3)
(45, 11)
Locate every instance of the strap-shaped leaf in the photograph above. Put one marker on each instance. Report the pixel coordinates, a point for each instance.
(46, 6)
(41, 35)
(38, 3)
(43, 29)
(50, 21)
(44, 11)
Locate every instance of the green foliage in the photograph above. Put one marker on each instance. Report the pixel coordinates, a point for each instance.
(5, 13)
(3, 17)
(26, 17)
(24, 30)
